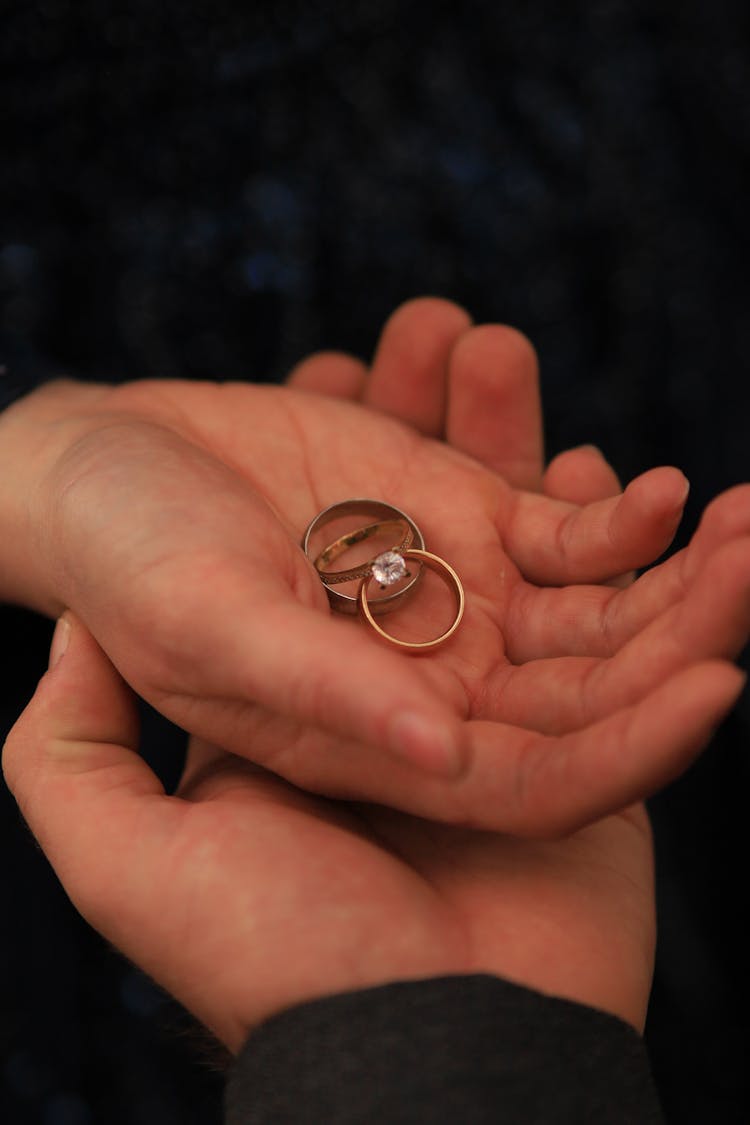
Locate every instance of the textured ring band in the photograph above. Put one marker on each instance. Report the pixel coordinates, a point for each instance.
(340, 546)
(376, 510)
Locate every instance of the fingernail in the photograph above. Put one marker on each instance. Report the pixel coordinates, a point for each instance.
(425, 743)
(685, 491)
(60, 640)
(681, 486)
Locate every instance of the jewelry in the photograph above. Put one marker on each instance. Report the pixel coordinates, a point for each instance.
(389, 567)
(384, 513)
(340, 546)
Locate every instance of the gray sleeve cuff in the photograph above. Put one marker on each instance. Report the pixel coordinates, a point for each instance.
(442, 1052)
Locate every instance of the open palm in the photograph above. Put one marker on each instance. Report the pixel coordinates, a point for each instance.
(172, 515)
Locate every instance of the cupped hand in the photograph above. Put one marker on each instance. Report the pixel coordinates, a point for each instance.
(168, 516)
(242, 895)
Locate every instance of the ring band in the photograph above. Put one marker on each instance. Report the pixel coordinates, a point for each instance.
(433, 562)
(340, 546)
(379, 511)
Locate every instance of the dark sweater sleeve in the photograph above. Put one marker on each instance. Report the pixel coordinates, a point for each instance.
(450, 1051)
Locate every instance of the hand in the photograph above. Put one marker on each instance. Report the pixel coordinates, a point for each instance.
(549, 707)
(476, 388)
(243, 895)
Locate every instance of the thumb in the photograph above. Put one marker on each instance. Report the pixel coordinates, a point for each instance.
(72, 765)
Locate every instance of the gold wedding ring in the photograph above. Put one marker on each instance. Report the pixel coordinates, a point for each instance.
(390, 561)
(380, 514)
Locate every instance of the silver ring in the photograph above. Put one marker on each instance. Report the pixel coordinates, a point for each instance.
(347, 603)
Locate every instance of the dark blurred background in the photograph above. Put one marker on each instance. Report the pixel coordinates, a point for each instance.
(215, 190)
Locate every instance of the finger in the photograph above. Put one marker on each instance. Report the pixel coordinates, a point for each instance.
(554, 544)
(581, 476)
(410, 370)
(568, 693)
(598, 621)
(712, 620)
(553, 786)
(494, 411)
(71, 762)
(586, 620)
(315, 668)
(726, 517)
(330, 373)
(520, 781)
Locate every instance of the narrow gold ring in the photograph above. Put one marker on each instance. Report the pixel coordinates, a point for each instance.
(375, 510)
(345, 542)
(449, 576)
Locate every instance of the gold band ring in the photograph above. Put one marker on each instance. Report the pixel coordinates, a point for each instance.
(398, 528)
(395, 562)
(376, 510)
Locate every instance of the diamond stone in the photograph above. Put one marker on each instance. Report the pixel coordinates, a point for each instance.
(388, 568)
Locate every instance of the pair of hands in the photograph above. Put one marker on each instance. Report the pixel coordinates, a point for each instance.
(167, 517)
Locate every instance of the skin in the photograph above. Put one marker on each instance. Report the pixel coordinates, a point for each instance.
(242, 894)
(560, 698)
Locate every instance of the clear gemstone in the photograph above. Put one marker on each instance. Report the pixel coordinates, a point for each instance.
(388, 568)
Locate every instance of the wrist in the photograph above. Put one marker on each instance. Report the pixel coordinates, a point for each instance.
(35, 431)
